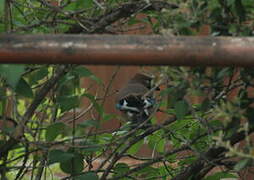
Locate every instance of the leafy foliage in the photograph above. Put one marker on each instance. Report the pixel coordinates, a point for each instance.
(208, 110)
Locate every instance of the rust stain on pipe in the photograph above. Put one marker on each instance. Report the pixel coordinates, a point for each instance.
(127, 50)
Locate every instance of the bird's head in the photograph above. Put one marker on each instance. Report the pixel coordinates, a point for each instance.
(143, 79)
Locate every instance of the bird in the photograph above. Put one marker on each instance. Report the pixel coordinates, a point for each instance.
(135, 100)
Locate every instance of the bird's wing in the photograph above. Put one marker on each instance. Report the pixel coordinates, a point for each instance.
(134, 89)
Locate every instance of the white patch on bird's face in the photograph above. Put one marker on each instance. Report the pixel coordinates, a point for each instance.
(125, 104)
(147, 103)
(126, 107)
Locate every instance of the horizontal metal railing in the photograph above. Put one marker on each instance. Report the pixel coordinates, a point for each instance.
(127, 50)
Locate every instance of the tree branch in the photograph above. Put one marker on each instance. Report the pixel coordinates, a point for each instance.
(118, 155)
(213, 153)
(19, 130)
(123, 11)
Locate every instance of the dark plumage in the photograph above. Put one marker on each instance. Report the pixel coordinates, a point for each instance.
(131, 102)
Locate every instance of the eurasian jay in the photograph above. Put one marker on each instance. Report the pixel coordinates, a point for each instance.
(135, 100)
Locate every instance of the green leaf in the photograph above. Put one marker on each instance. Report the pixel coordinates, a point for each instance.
(206, 104)
(1, 8)
(67, 103)
(97, 106)
(38, 75)
(240, 10)
(223, 73)
(107, 117)
(215, 123)
(220, 175)
(187, 161)
(74, 165)
(24, 89)
(133, 20)
(12, 73)
(242, 164)
(88, 147)
(89, 123)
(250, 115)
(181, 109)
(87, 176)
(82, 71)
(120, 169)
(54, 130)
(84, 4)
(135, 148)
(7, 130)
(58, 155)
(166, 91)
(95, 78)
(2, 105)
(155, 141)
(231, 2)
(150, 172)
(160, 147)
(71, 7)
(213, 4)
(2, 28)
(3, 100)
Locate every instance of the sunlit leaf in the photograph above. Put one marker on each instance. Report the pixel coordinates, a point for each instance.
(135, 148)
(160, 146)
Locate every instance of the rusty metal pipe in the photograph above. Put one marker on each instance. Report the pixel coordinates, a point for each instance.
(127, 50)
